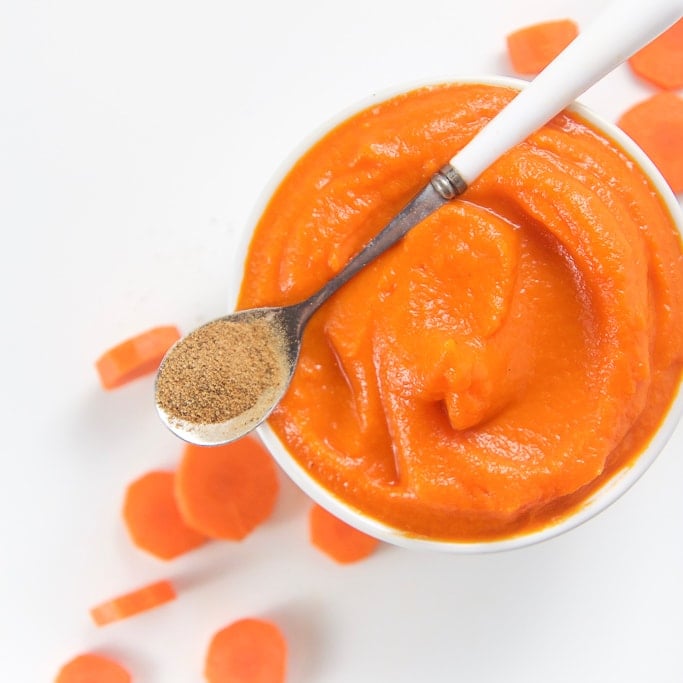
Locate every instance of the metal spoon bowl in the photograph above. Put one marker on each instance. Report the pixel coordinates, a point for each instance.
(284, 330)
(624, 27)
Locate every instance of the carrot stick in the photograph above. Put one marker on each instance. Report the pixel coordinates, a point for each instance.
(532, 48)
(153, 520)
(656, 124)
(137, 601)
(338, 540)
(92, 668)
(661, 61)
(225, 492)
(135, 357)
(247, 651)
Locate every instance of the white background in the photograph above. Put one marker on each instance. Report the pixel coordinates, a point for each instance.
(135, 139)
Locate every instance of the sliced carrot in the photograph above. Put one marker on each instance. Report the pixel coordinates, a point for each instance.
(656, 124)
(343, 543)
(247, 651)
(532, 48)
(225, 492)
(152, 517)
(135, 357)
(92, 668)
(661, 61)
(137, 601)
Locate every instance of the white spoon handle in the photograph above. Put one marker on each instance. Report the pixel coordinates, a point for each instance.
(623, 27)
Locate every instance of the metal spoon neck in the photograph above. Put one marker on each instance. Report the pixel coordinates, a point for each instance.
(444, 185)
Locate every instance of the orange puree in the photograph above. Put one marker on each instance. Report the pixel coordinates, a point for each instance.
(510, 353)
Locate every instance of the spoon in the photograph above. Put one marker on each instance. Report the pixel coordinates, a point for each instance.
(271, 337)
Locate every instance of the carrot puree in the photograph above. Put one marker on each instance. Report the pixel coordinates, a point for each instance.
(513, 351)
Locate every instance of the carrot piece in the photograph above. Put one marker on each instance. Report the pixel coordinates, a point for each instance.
(129, 604)
(338, 540)
(92, 668)
(225, 492)
(656, 124)
(135, 357)
(152, 517)
(247, 651)
(661, 61)
(532, 48)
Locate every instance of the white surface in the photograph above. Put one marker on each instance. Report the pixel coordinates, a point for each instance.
(135, 137)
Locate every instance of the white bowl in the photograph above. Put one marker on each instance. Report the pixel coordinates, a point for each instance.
(612, 489)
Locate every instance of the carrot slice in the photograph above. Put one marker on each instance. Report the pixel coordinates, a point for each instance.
(335, 538)
(137, 601)
(152, 517)
(532, 48)
(225, 492)
(661, 61)
(247, 651)
(656, 124)
(92, 668)
(135, 357)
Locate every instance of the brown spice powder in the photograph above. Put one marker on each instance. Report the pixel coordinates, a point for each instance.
(219, 371)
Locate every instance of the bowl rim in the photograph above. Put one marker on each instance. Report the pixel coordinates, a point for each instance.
(613, 489)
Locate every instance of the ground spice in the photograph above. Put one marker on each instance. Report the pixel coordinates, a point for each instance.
(219, 371)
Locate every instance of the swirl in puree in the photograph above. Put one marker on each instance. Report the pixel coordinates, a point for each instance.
(510, 354)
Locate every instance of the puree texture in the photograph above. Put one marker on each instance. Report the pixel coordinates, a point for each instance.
(513, 351)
